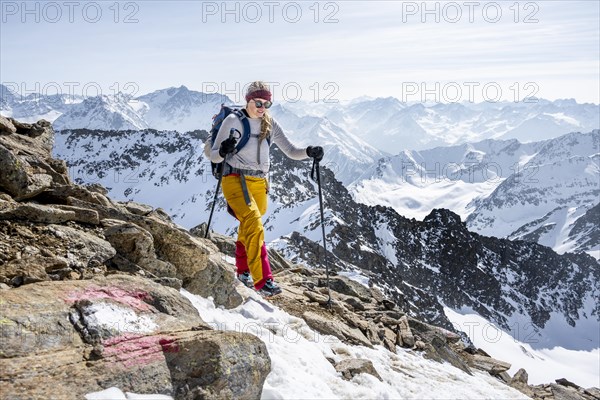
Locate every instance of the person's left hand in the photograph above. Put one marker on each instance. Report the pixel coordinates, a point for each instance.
(315, 152)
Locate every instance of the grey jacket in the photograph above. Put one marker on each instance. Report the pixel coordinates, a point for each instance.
(250, 156)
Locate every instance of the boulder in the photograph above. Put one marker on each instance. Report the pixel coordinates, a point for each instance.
(389, 339)
(65, 339)
(196, 261)
(485, 363)
(355, 303)
(372, 334)
(18, 177)
(26, 270)
(568, 383)
(84, 249)
(137, 208)
(593, 392)
(348, 287)
(405, 335)
(328, 326)
(218, 281)
(56, 214)
(519, 382)
(6, 126)
(137, 245)
(316, 297)
(438, 350)
(349, 368)
(561, 392)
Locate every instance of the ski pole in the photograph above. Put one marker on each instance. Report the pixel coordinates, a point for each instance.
(212, 209)
(316, 166)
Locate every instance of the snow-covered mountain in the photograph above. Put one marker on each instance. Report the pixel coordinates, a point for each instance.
(387, 124)
(101, 112)
(542, 201)
(35, 106)
(347, 154)
(534, 191)
(393, 126)
(358, 135)
(179, 109)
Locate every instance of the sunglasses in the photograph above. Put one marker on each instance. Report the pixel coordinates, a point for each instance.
(260, 104)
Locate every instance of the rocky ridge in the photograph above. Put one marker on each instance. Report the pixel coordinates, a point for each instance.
(90, 294)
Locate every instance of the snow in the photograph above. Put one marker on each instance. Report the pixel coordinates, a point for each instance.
(113, 317)
(356, 276)
(300, 368)
(542, 365)
(114, 393)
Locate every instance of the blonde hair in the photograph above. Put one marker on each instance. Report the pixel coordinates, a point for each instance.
(267, 121)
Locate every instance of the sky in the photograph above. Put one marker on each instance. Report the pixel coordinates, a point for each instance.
(458, 51)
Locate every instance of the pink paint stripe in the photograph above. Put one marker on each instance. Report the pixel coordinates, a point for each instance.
(133, 299)
(135, 350)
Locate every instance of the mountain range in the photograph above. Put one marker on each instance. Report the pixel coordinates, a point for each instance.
(487, 154)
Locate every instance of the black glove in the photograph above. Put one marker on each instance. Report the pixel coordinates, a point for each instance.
(315, 152)
(227, 146)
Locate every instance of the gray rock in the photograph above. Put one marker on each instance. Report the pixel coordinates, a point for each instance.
(192, 257)
(485, 363)
(58, 343)
(32, 130)
(561, 392)
(14, 179)
(349, 368)
(372, 334)
(567, 383)
(138, 208)
(389, 339)
(6, 126)
(519, 382)
(137, 245)
(355, 302)
(405, 334)
(348, 287)
(56, 214)
(217, 280)
(211, 364)
(90, 249)
(170, 282)
(520, 377)
(593, 391)
(355, 320)
(27, 270)
(438, 350)
(277, 261)
(335, 328)
(316, 297)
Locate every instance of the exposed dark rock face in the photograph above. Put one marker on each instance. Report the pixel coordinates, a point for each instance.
(438, 260)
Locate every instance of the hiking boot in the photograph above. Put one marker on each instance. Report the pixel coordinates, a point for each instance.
(269, 289)
(246, 279)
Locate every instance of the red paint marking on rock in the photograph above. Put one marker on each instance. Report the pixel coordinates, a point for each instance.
(133, 299)
(135, 350)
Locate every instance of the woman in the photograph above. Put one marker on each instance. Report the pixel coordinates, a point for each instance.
(245, 183)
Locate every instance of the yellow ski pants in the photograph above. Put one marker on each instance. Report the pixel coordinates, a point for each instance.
(251, 252)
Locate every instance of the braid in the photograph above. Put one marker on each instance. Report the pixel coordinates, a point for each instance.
(265, 126)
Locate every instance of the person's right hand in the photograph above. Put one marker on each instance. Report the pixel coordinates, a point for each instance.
(227, 146)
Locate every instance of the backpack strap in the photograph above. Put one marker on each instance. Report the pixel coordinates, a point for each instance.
(246, 128)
